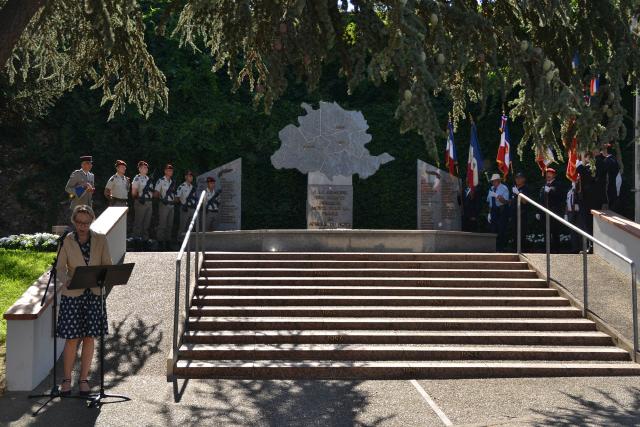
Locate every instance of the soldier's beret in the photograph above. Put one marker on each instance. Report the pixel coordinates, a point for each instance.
(168, 166)
(188, 172)
(552, 170)
(211, 179)
(86, 159)
(120, 162)
(143, 163)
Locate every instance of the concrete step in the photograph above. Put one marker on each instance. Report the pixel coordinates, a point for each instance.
(368, 256)
(365, 272)
(269, 264)
(200, 291)
(345, 369)
(380, 300)
(397, 352)
(386, 311)
(374, 281)
(247, 322)
(591, 338)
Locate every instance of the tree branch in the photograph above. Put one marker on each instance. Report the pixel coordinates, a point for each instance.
(14, 18)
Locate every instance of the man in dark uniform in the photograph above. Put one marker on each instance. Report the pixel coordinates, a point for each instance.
(498, 200)
(471, 205)
(553, 197)
(520, 187)
(600, 181)
(587, 194)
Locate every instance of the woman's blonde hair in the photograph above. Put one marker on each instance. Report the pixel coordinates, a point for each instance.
(86, 209)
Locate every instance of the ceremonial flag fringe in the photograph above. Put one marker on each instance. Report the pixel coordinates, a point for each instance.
(450, 158)
(474, 163)
(504, 150)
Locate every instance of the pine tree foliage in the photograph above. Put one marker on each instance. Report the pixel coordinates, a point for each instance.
(99, 41)
(460, 49)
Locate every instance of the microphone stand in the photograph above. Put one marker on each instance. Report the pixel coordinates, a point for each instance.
(53, 278)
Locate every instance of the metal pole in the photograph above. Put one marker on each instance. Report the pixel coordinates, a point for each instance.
(518, 240)
(634, 301)
(175, 310)
(547, 240)
(637, 157)
(187, 285)
(585, 281)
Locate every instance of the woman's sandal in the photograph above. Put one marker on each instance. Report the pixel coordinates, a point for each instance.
(84, 392)
(65, 393)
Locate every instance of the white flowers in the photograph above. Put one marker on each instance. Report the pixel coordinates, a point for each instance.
(36, 242)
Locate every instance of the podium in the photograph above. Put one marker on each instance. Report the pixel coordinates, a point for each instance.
(101, 276)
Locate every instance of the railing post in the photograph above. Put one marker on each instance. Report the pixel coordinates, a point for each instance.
(634, 301)
(187, 285)
(176, 310)
(518, 240)
(197, 246)
(547, 240)
(585, 281)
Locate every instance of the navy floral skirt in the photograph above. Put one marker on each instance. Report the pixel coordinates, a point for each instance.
(79, 317)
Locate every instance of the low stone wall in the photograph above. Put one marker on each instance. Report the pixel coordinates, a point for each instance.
(349, 241)
(620, 234)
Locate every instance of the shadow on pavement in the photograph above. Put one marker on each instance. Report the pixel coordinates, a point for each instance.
(271, 403)
(129, 345)
(606, 411)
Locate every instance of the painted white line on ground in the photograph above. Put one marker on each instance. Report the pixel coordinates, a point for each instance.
(443, 417)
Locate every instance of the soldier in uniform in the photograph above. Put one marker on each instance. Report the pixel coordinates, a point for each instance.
(212, 203)
(142, 192)
(188, 199)
(117, 189)
(165, 190)
(81, 183)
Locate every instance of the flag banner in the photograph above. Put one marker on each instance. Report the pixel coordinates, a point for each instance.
(450, 158)
(572, 159)
(474, 163)
(544, 157)
(504, 150)
(594, 86)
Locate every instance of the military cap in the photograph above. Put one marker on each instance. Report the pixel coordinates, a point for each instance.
(520, 175)
(188, 172)
(168, 166)
(552, 170)
(211, 179)
(143, 163)
(86, 159)
(121, 162)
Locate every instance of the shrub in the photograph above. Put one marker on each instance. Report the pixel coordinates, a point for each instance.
(43, 242)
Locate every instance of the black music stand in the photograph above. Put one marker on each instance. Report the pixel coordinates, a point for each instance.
(101, 276)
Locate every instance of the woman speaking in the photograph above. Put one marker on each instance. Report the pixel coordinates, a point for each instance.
(80, 320)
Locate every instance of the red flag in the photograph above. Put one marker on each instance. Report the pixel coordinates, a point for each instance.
(504, 150)
(572, 161)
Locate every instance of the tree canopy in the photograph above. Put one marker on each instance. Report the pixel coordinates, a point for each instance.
(538, 56)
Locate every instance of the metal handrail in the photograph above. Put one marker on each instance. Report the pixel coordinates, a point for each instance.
(199, 248)
(585, 237)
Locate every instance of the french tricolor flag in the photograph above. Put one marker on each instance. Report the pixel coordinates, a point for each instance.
(474, 163)
(504, 150)
(450, 158)
(594, 86)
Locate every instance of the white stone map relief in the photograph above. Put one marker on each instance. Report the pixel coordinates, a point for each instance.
(329, 140)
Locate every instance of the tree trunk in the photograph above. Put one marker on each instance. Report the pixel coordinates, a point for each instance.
(14, 17)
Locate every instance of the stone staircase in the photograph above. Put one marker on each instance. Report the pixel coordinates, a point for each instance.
(386, 315)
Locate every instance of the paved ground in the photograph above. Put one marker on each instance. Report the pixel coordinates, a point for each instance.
(140, 321)
(609, 290)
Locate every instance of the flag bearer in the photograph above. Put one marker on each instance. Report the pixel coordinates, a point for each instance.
(498, 200)
(553, 197)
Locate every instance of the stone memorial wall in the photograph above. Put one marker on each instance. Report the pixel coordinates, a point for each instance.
(228, 180)
(438, 199)
(329, 202)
